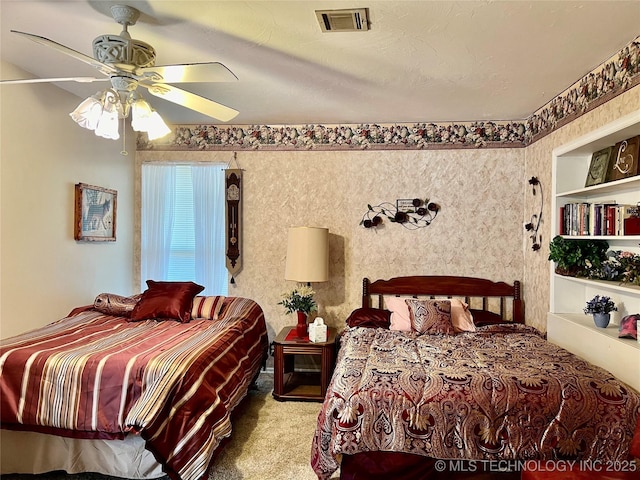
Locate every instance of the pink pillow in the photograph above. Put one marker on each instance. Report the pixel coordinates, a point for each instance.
(207, 307)
(400, 317)
(461, 317)
(430, 316)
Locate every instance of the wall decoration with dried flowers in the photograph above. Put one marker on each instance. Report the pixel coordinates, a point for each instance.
(410, 213)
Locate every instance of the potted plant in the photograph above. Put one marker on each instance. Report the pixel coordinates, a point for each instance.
(600, 307)
(300, 300)
(577, 257)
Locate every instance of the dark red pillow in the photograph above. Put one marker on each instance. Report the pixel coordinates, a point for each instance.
(485, 317)
(369, 317)
(166, 300)
(635, 442)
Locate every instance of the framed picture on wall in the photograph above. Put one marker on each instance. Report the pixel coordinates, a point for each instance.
(95, 213)
(599, 167)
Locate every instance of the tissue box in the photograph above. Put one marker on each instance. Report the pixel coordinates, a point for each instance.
(318, 331)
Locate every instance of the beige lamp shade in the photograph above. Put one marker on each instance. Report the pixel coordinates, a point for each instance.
(307, 255)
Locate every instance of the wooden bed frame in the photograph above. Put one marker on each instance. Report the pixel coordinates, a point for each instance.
(479, 293)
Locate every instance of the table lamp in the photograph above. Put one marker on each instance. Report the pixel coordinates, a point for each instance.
(307, 261)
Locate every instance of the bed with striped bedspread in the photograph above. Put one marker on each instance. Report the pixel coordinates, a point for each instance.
(175, 384)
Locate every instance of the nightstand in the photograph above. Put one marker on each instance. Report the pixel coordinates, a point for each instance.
(289, 384)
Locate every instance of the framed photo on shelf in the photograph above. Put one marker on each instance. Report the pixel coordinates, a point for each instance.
(599, 167)
(624, 160)
(95, 214)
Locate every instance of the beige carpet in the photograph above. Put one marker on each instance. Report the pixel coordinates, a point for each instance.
(270, 440)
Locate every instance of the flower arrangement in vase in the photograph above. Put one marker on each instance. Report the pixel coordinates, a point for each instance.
(600, 307)
(301, 301)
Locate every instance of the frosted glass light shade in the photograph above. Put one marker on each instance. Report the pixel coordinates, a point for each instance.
(88, 113)
(307, 255)
(108, 123)
(140, 114)
(145, 119)
(157, 127)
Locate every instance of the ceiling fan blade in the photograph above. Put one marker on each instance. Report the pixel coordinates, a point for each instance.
(102, 67)
(192, 101)
(52, 80)
(188, 72)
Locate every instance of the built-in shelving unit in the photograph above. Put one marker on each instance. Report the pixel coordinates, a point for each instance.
(567, 325)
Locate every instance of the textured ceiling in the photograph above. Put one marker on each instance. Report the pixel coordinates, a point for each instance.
(435, 61)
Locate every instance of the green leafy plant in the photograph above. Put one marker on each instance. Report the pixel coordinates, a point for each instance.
(577, 257)
(300, 299)
(600, 304)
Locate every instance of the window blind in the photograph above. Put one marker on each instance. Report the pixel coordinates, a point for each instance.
(182, 246)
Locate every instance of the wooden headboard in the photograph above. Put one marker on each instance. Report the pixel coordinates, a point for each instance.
(481, 294)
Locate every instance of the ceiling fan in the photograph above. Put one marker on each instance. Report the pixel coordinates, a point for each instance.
(129, 63)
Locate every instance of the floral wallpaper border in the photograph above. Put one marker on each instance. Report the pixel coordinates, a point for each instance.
(615, 76)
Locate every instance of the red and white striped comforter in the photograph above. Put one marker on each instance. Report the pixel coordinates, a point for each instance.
(98, 376)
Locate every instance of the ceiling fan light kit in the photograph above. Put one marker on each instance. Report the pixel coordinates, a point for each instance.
(101, 113)
(130, 63)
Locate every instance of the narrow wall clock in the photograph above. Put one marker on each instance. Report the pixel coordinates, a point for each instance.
(233, 214)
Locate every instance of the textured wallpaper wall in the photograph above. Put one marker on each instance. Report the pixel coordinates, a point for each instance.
(483, 193)
(327, 175)
(478, 231)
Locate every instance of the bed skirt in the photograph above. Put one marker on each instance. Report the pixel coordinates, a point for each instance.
(34, 453)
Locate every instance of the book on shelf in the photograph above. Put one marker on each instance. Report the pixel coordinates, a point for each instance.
(622, 213)
(610, 219)
(606, 218)
(575, 219)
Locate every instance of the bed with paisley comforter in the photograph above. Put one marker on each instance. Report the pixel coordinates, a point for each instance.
(443, 397)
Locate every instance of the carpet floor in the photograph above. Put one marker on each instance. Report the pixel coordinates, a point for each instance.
(270, 440)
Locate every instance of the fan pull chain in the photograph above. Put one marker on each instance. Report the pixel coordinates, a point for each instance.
(124, 152)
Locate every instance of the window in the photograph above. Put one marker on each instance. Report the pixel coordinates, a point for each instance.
(182, 235)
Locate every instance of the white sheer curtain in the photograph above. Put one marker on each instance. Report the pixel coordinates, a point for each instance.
(163, 218)
(157, 221)
(208, 215)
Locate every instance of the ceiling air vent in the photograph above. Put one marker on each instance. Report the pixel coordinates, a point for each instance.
(346, 20)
